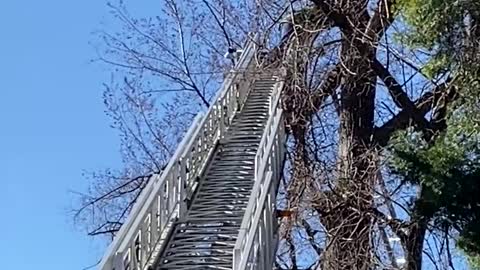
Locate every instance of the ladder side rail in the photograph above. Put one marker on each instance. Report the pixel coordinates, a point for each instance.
(267, 158)
(258, 205)
(256, 252)
(246, 71)
(142, 206)
(274, 110)
(167, 207)
(243, 65)
(162, 195)
(217, 120)
(177, 185)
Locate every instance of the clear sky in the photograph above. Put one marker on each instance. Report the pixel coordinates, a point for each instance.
(52, 126)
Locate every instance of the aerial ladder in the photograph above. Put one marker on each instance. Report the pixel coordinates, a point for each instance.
(213, 207)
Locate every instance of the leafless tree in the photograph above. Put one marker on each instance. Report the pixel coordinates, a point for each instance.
(164, 70)
(349, 87)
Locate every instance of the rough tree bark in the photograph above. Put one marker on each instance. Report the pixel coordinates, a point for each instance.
(346, 209)
(355, 172)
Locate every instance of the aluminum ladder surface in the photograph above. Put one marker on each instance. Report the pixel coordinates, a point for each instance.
(205, 237)
(213, 206)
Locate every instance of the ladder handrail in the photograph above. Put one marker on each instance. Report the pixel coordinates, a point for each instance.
(272, 140)
(274, 106)
(193, 142)
(240, 66)
(226, 99)
(139, 207)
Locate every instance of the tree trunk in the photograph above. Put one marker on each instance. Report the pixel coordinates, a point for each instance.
(414, 244)
(349, 229)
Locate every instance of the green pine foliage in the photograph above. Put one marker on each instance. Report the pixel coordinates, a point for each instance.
(474, 263)
(447, 168)
(443, 28)
(434, 21)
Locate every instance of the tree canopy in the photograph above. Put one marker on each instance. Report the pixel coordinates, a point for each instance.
(382, 104)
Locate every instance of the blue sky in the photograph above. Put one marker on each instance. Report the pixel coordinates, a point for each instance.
(52, 127)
